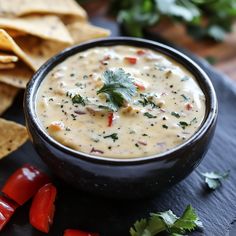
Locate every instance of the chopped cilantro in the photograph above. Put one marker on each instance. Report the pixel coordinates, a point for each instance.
(193, 121)
(167, 222)
(214, 179)
(78, 100)
(183, 124)
(160, 67)
(147, 100)
(113, 136)
(118, 87)
(184, 97)
(173, 113)
(165, 126)
(185, 78)
(147, 114)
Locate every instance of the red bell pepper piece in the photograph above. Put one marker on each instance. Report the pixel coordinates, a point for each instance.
(110, 119)
(139, 86)
(43, 208)
(189, 106)
(24, 183)
(7, 208)
(131, 60)
(76, 232)
(141, 52)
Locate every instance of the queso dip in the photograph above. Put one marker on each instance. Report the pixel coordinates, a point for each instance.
(120, 102)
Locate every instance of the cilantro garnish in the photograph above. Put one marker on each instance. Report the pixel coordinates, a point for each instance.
(183, 124)
(173, 113)
(147, 100)
(213, 179)
(114, 136)
(78, 99)
(118, 87)
(184, 97)
(165, 126)
(147, 114)
(167, 222)
(185, 78)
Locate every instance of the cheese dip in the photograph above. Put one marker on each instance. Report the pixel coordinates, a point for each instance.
(120, 102)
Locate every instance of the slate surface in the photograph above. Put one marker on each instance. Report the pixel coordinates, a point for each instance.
(75, 209)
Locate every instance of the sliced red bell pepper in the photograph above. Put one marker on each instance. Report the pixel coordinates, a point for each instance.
(110, 119)
(7, 208)
(24, 183)
(76, 232)
(139, 86)
(43, 208)
(131, 60)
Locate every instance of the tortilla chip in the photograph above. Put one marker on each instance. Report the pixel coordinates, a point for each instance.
(24, 7)
(14, 33)
(5, 66)
(12, 136)
(5, 58)
(7, 43)
(17, 77)
(38, 50)
(46, 27)
(7, 95)
(81, 31)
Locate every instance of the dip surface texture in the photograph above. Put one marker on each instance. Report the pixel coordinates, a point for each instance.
(120, 102)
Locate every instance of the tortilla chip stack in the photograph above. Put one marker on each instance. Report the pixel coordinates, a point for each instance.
(30, 33)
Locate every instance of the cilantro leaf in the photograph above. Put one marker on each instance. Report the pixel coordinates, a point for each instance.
(139, 228)
(176, 114)
(114, 136)
(78, 99)
(168, 218)
(118, 87)
(213, 179)
(149, 115)
(202, 18)
(167, 222)
(183, 124)
(188, 221)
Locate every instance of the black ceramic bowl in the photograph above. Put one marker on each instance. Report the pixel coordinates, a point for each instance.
(122, 178)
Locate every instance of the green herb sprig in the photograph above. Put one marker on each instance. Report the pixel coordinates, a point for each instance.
(118, 88)
(202, 18)
(213, 179)
(113, 136)
(167, 222)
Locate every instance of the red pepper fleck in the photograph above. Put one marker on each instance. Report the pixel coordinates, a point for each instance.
(79, 112)
(139, 86)
(96, 150)
(105, 58)
(189, 106)
(131, 60)
(142, 143)
(141, 52)
(110, 119)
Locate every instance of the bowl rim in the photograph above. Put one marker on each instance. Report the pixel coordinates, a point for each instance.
(201, 77)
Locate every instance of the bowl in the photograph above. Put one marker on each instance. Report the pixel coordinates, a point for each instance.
(122, 178)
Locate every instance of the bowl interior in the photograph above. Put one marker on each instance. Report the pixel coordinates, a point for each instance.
(201, 77)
